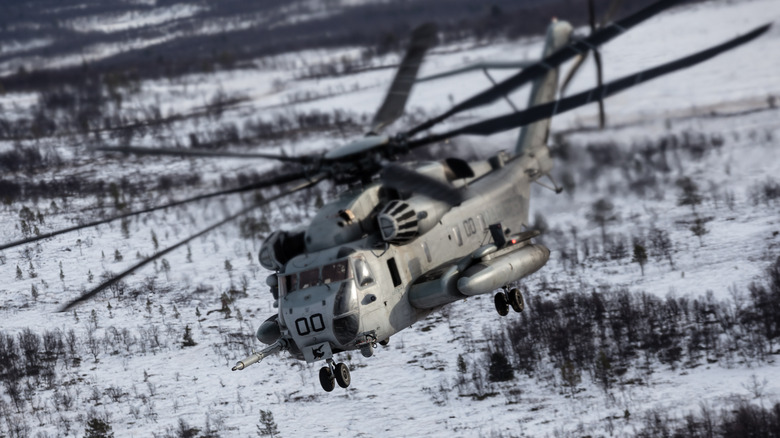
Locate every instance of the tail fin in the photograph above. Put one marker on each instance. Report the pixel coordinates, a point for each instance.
(544, 90)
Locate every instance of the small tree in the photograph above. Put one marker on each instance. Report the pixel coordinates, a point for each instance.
(187, 340)
(166, 267)
(699, 229)
(617, 248)
(118, 256)
(689, 193)
(662, 245)
(571, 376)
(97, 428)
(185, 431)
(462, 368)
(126, 228)
(603, 371)
(500, 370)
(640, 256)
(267, 426)
(601, 213)
(93, 318)
(228, 267)
(225, 305)
(19, 274)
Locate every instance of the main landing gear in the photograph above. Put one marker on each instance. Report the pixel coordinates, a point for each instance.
(332, 374)
(509, 298)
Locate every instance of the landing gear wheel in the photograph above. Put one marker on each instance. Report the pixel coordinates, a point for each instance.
(515, 299)
(502, 306)
(326, 379)
(342, 375)
(384, 342)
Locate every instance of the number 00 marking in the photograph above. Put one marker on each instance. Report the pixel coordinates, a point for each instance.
(303, 327)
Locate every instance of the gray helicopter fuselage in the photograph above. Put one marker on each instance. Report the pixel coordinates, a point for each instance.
(368, 300)
(417, 275)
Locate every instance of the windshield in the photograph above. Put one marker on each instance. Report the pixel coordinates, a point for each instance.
(330, 273)
(334, 272)
(309, 278)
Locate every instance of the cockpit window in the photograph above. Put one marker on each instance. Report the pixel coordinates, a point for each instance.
(331, 273)
(334, 272)
(310, 278)
(290, 283)
(363, 272)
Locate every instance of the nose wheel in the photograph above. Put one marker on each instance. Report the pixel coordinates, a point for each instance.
(332, 374)
(327, 380)
(342, 375)
(509, 298)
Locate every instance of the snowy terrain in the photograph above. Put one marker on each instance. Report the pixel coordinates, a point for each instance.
(410, 388)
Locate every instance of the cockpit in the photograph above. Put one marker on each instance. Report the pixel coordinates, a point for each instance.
(330, 273)
(335, 272)
(336, 283)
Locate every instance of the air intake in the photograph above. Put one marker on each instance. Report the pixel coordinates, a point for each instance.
(398, 222)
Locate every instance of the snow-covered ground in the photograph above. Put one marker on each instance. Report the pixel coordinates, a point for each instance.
(408, 388)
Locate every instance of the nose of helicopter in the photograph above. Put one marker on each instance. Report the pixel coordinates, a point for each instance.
(322, 313)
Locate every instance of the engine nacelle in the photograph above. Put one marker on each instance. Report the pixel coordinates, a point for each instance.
(498, 269)
(403, 220)
(484, 271)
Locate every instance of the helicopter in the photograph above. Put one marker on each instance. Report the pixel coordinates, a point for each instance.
(405, 239)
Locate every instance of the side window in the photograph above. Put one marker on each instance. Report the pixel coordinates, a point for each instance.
(289, 283)
(481, 223)
(394, 272)
(427, 251)
(310, 278)
(363, 273)
(457, 236)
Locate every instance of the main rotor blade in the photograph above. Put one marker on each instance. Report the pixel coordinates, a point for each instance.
(116, 278)
(541, 68)
(533, 114)
(406, 180)
(138, 150)
(600, 83)
(597, 58)
(281, 179)
(423, 38)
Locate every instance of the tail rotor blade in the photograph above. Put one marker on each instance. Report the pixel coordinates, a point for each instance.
(572, 71)
(116, 278)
